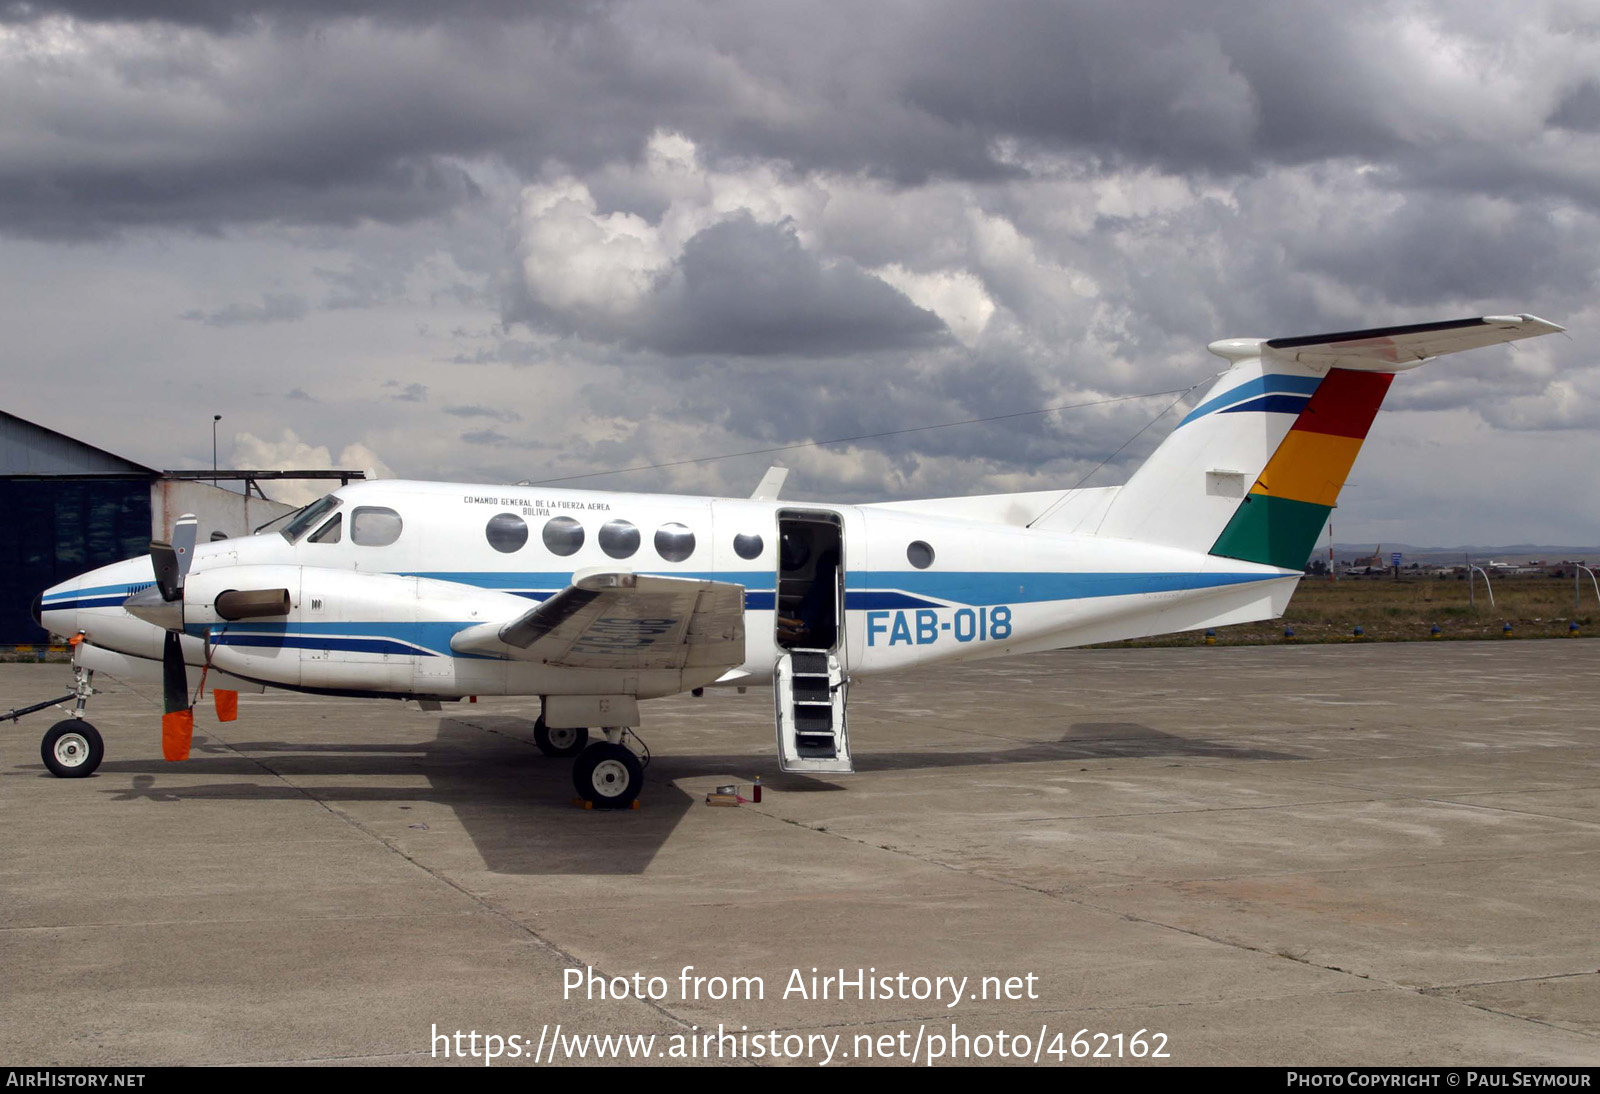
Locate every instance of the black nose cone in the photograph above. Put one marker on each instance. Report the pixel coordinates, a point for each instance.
(38, 607)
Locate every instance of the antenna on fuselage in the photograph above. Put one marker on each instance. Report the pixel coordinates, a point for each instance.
(771, 484)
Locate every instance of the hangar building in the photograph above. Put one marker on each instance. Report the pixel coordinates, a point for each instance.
(67, 506)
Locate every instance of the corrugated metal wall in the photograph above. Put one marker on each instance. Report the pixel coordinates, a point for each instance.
(29, 449)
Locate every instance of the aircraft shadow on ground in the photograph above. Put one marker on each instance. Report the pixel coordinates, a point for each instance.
(517, 805)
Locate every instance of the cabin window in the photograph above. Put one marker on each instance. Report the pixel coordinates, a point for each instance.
(619, 539)
(674, 542)
(920, 555)
(330, 532)
(748, 546)
(563, 536)
(374, 526)
(506, 532)
(307, 518)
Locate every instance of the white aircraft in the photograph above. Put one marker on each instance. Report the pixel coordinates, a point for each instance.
(594, 601)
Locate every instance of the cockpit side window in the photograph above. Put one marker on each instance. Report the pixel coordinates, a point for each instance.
(375, 526)
(330, 532)
(308, 517)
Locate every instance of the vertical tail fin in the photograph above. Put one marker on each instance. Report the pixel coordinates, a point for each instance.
(1187, 491)
(1252, 471)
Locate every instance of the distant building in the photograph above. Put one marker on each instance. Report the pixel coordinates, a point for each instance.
(1375, 560)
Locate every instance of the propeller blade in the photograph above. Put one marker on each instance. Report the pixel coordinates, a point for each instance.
(169, 578)
(174, 674)
(172, 560)
(177, 724)
(184, 533)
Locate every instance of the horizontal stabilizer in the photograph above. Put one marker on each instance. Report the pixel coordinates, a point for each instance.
(1392, 349)
(614, 619)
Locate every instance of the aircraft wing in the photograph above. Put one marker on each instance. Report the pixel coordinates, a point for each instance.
(614, 619)
(1390, 349)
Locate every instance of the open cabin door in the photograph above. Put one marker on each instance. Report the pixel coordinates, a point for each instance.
(808, 682)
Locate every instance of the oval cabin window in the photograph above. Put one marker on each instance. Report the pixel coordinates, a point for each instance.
(506, 532)
(674, 542)
(619, 539)
(563, 536)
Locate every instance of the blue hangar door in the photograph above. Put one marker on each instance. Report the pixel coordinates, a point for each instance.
(55, 528)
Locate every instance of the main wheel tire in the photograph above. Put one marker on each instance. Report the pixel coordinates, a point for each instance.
(608, 775)
(559, 742)
(72, 749)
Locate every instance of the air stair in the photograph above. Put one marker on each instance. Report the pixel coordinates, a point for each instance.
(808, 688)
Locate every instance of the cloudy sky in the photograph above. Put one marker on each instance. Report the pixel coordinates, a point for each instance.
(499, 241)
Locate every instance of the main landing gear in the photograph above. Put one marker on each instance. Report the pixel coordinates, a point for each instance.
(72, 748)
(559, 742)
(607, 774)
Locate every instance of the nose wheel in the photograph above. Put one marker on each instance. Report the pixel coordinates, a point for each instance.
(72, 749)
(608, 774)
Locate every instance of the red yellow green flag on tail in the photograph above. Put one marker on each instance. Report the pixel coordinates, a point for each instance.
(1279, 520)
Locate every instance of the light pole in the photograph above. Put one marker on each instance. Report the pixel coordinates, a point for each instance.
(215, 418)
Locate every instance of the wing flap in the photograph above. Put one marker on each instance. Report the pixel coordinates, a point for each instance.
(1392, 349)
(612, 619)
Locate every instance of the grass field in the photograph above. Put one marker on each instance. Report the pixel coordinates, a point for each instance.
(1407, 610)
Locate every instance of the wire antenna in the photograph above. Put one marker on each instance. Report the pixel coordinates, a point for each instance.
(886, 433)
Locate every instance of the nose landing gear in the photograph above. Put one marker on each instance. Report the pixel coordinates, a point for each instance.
(72, 748)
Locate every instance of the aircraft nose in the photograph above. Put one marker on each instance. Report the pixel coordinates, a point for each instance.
(38, 610)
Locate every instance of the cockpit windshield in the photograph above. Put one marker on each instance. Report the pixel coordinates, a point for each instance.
(307, 518)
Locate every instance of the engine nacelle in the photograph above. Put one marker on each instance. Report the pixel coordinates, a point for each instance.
(343, 630)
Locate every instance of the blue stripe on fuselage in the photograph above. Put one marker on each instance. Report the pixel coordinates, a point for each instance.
(877, 590)
(284, 640)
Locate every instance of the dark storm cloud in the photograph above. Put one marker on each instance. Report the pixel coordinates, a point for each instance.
(751, 289)
(232, 14)
(742, 288)
(1434, 246)
(210, 115)
(1580, 109)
